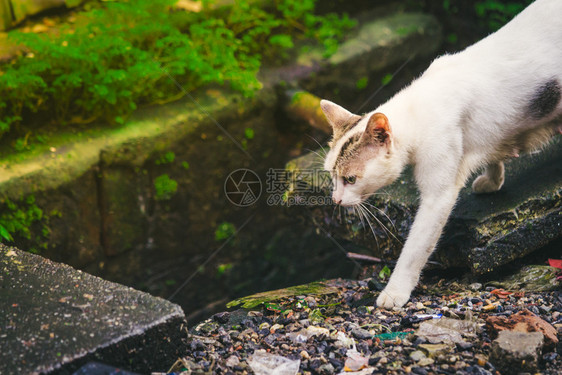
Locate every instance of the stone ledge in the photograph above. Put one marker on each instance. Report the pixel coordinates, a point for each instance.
(56, 318)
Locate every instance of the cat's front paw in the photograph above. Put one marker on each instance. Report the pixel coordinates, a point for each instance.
(392, 298)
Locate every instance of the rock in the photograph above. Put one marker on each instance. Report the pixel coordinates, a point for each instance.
(58, 318)
(426, 362)
(533, 278)
(304, 106)
(232, 361)
(477, 370)
(222, 317)
(516, 351)
(383, 42)
(315, 288)
(360, 333)
(475, 286)
(326, 369)
(435, 350)
(417, 355)
(523, 321)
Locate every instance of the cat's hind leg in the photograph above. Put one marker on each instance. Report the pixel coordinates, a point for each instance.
(491, 180)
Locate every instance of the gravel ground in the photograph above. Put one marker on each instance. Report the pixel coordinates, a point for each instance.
(342, 332)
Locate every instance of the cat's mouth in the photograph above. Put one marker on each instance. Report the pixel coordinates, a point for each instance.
(351, 204)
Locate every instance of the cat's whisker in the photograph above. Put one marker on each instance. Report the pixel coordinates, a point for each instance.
(387, 217)
(384, 227)
(319, 144)
(358, 213)
(361, 208)
(380, 223)
(317, 154)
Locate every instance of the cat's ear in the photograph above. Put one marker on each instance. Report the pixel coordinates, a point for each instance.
(336, 115)
(378, 129)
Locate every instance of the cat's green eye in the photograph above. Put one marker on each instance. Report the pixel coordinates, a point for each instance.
(349, 180)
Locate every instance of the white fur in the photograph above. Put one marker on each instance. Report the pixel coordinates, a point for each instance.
(456, 118)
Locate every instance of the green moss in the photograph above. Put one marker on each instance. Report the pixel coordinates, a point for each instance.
(224, 231)
(315, 288)
(165, 187)
(138, 51)
(362, 83)
(167, 158)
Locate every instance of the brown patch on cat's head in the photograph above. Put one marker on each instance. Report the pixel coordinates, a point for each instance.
(360, 148)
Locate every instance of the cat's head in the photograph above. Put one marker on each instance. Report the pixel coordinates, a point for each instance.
(361, 159)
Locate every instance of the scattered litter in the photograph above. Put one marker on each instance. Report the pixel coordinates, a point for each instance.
(428, 316)
(342, 341)
(392, 335)
(365, 371)
(263, 363)
(501, 293)
(556, 263)
(447, 330)
(355, 361)
(304, 334)
(491, 307)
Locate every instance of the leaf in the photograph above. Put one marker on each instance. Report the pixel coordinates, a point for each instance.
(384, 273)
(5, 234)
(282, 40)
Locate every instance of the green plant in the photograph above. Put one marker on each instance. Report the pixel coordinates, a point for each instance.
(362, 83)
(223, 268)
(167, 158)
(164, 187)
(384, 273)
(497, 13)
(224, 231)
(128, 53)
(17, 219)
(386, 79)
(249, 133)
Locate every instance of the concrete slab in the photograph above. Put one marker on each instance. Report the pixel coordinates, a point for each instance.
(54, 319)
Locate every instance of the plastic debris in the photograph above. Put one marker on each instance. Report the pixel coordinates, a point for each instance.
(303, 335)
(428, 316)
(342, 341)
(446, 330)
(263, 363)
(556, 263)
(392, 335)
(355, 361)
(365, 371)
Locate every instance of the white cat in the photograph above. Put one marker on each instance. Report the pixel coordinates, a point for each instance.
(473, 109)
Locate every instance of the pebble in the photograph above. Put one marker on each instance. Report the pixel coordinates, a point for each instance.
(223, 343)
(361, 334)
